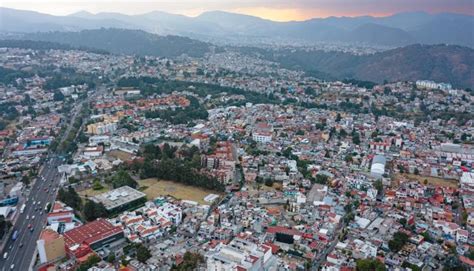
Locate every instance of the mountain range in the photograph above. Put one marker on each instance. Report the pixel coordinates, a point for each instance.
(223, 27)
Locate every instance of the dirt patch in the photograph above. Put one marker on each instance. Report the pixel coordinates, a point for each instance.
(426, 180)
(124, 156)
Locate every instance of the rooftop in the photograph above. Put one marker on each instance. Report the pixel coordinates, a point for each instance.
(91, 232)
(118, 197)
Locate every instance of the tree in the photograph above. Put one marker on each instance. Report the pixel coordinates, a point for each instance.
(378, 185)
(309, 91)
(287, 152)
(342, 133)
(90, 262)
(4, 226)
(111, 258)
(471, 254)
(348, 158)
(398, 241)
(93, 210)
(356, 139)
(143, 253)
(151, 152)
(25, 180)
(403, 221)
(70, 198)
(370, 265)
(58, 96)
(190, 262)
(97, 185)
(122, 178)
(322, 179)
(269, 182)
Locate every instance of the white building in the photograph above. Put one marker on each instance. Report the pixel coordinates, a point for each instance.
(262, 137)
(94, 140)
(239, 254)
(433, 85)
(378, 166)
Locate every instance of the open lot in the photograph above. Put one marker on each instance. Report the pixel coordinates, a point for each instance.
(155, 188)
(430, 180)
(124, 156)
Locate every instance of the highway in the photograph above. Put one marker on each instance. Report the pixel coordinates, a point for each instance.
(44, 190)
(21, 251)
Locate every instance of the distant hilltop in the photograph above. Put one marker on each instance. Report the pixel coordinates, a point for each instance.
(396, 30)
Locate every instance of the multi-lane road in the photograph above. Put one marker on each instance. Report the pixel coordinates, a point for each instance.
(19, 253)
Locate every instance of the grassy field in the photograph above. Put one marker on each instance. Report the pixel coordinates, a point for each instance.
(430, 180)
(155, 188)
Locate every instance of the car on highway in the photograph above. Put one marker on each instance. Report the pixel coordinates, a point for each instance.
(33, 217)
(12, 266)
(27, 217)
(5, 255)
(15, 235)
(21, 245)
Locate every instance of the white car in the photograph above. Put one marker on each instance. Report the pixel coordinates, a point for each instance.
(5, 255)
(27, 217)
(33, 217)
(12, 266)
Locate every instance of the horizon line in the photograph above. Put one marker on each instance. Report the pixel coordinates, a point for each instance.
(238, 13)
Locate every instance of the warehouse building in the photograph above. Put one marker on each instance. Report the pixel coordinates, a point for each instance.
(121, 199)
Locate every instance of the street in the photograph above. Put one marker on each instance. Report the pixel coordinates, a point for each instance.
(20, 257)
(22, 250)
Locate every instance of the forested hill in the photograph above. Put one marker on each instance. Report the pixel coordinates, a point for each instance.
(442, 63)
(125, 41)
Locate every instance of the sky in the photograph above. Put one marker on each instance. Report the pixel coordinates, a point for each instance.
(278, 10)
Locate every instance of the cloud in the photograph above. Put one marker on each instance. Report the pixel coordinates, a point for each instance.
(271, 9)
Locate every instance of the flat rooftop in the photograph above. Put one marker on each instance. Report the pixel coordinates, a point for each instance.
(118, 197)
(91, 232)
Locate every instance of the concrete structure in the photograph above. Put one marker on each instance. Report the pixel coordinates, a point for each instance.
(120, 199)
(91, 236)
(60, 213)
(94, 140)
(239, 254)
(426, 84)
